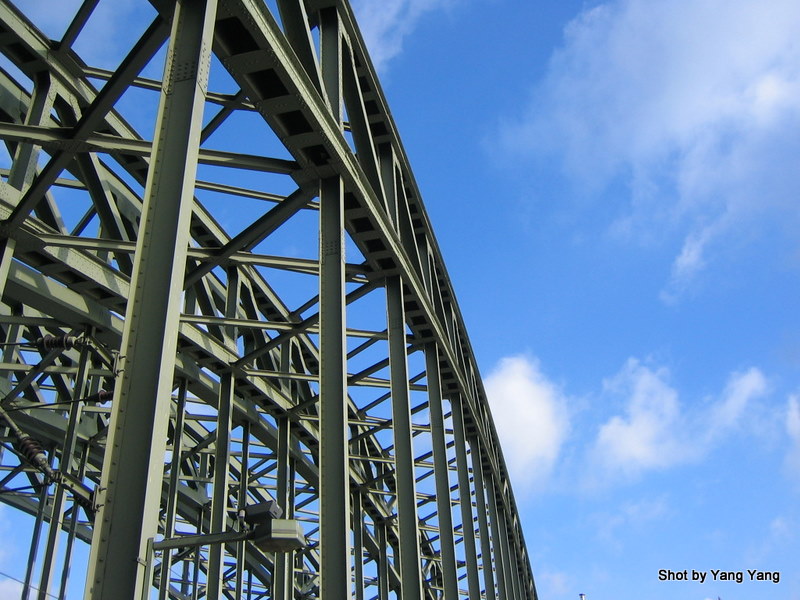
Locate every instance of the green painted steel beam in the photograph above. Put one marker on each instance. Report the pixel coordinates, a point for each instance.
(131, 484)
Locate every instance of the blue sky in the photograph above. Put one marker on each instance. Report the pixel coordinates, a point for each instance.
(614, 186)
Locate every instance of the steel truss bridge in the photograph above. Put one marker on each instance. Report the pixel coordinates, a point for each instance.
(219, 288)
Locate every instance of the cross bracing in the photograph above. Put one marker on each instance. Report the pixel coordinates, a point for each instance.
(220, 288)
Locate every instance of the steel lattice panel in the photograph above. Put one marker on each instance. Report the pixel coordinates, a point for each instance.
(220, 287)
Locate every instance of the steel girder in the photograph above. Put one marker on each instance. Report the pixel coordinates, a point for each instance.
(183, 336)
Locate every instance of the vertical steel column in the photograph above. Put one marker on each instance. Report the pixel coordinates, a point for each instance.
(407, 518)
(65, 466)
(244, 482)
(72, 531)
(500, 549)
(222, 450)
(383, 559)
(515, 571)
(196, 563)
(441, 470)
(334, 488)
(508, 553)
(36, 535)
(283, 578)
(172, 490)
(465, 498)
(358, 545)
(483, 523)
(133, 465)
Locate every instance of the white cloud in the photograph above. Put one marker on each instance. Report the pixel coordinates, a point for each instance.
(386, 23)
(10, 588)
(646, 436)
(553, 583)
(740, 390)
(530, 413)
(630, 516)
(793, 429)
(691, 104)
(655, 431)
(793, 419)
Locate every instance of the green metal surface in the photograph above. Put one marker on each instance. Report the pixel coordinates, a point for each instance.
(193, 241)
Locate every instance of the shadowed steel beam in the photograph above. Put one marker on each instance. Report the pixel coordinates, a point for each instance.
(283, 576)
(441, 469)
(403, 449)
(508, 564)
(172, 489)
(334, 489)
(133, 465)
(483, 524)
(500, 548)
(222, 455)
(65, 466)
(295, 24)
(383, 561)
(358, 545)
(465, 497)
(244, 481)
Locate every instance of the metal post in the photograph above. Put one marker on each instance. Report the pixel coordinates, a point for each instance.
(172, 490)
(441, 472)
(65, 466)
(408, 524)
(222, 453)
(358, 545)
(244, 481)
(483, 523)
(383, 560)
(35, 537)
(500, 549)
(508, 553)
(133, 465)
(283, 578)
(71, 533)
(517, 571)
(334, 488)
(465, 498)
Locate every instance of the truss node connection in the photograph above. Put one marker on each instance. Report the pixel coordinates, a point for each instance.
(220, 292)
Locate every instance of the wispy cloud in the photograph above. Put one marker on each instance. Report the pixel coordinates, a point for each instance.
(691, 105)
(645, 437)
(655, 431)
(10, 588)
(385, 24)
(553, 583)
(793, 429)
(633, 515)
(531, 416)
